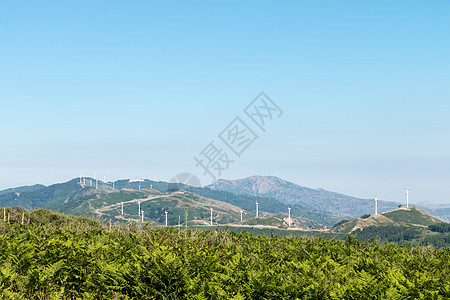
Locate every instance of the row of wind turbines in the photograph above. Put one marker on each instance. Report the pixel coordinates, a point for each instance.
(141, 213)
(84, 181)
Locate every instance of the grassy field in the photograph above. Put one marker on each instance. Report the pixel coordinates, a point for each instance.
(47, 255)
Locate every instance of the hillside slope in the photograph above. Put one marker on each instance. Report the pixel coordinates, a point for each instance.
(402, 216)
(180, 205)
(52, 195)
(21, 189)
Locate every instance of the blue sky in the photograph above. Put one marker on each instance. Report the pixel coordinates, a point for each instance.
(137, 89)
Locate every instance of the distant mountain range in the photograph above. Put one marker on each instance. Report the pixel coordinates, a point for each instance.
(318, 199)
(315, 208)
(291, 193)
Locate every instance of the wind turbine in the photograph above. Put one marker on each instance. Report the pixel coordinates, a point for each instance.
(257, 211)
(289, 216)
(376, 206)
(121, 204)
(142, 214)
(211, 216)
(166, 216)
(139, 208)
(407, 196)
(241, 215)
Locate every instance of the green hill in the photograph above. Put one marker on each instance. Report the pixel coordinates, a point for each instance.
(404, 225)
(402, 216)
(411, 216)
(180, 205)
(270, 221)
(22, 189)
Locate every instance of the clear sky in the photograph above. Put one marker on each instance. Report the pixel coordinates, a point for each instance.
(136, 89)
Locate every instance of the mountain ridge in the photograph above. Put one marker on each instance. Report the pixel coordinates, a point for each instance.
(291, 193)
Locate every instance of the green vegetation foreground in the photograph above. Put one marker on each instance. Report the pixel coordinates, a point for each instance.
(83, 259)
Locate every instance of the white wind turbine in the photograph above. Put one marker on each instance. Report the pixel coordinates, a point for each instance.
(289, 216)
(139, 208)
(257, 209)
(211, 216)
(241, 215)
(407, 196)
(166, 216)
(376, 206)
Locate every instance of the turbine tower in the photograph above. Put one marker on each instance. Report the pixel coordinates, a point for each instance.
(142, 214)
(376, 206)
(407, 196)
(166, 216)
(257, 210)
(121, 204)
(139, 208)
(211, 216)
(289, 216)
(241, 215)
